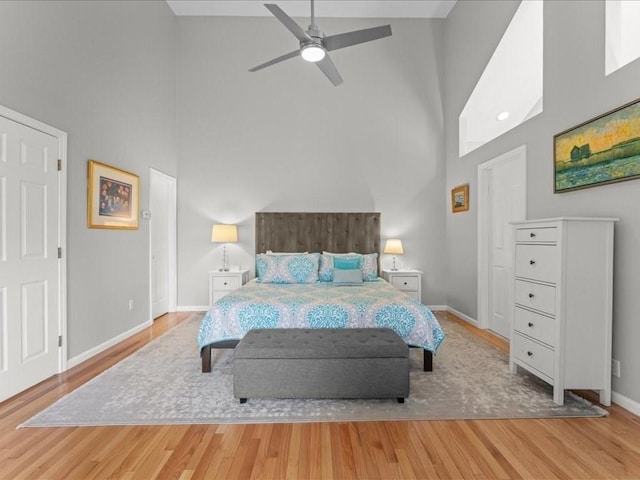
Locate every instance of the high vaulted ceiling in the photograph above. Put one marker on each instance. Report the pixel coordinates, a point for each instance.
(323, 8)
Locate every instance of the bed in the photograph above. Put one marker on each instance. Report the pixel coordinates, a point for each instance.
(316, 287)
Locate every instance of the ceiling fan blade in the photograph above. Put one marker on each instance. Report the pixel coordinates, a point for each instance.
(348, 39)
(288, 22)
(330, 70)
(281, 58)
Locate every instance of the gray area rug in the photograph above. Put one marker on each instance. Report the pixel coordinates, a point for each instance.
(162, 384)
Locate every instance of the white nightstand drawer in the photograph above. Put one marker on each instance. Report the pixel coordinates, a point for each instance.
(535, 325)
(536, 296)
(533, 354)
(221, 283)
(405, 283)
(530, 235)
(226, 283)
(537, 262)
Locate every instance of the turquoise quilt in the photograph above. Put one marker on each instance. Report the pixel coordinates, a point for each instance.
(320, 305)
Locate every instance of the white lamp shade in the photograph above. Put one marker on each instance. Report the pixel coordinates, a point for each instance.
(394, 246)
(224, 234)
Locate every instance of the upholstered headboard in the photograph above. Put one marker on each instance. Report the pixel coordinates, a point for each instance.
(316, 232)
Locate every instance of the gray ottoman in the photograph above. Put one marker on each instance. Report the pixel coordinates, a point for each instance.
(321, 363)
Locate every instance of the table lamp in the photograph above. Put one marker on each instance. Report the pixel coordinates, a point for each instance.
(224, 234)
(394, 246)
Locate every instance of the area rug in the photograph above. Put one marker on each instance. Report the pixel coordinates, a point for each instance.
(162, 384)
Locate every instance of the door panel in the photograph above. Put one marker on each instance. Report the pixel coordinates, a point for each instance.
(29, 265)
(504, 181)
(162, 231)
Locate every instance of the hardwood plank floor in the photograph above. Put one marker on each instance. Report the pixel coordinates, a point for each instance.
(589, 448)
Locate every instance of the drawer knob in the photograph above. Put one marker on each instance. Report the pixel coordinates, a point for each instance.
(225, 283)
(531, 295)
(530, 325)
(532, 262)
(532, 235)
(405, 283)
(530, 353)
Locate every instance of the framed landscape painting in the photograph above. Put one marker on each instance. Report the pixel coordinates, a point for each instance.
(603, 150)
(113, 197)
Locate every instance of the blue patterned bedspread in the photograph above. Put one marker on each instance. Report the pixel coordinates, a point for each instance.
(320, 305)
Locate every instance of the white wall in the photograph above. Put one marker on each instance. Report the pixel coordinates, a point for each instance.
(286, 139)
(104, 72)
(575, 89)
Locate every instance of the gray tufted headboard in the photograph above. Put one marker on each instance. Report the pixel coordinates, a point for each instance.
(316, 232)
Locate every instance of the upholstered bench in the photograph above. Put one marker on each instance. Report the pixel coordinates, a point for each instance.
(321, 363)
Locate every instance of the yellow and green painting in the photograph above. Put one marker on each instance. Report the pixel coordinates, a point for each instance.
(603, 150)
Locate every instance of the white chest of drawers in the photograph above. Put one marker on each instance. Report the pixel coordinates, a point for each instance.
(562, 303)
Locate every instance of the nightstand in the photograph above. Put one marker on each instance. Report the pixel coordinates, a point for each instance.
(223, 283)
(407, 281)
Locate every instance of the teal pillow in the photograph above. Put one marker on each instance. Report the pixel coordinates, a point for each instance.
(347, 263)
(351, 276)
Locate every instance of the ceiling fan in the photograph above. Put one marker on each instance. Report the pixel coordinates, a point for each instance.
(315, 46)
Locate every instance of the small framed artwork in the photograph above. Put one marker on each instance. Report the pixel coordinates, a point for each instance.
(112, 197)
(603, 150)
(460, 198)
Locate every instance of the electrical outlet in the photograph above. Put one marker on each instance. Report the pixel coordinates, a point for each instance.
(131, 304)
(615, 368)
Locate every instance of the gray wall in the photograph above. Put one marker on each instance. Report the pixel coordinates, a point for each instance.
(575, 89)
(286, 139)
(104, 72)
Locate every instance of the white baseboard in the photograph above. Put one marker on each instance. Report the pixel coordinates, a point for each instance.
(78, 359)
(464, 317)
(193, 308)
(626, 403)
(437, 308)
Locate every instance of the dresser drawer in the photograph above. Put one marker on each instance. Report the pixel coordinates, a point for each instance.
(406, 284)
(530, 235)
(535, 325)
(537, 262)
(226, 283)
(535, 296)
(533, 354)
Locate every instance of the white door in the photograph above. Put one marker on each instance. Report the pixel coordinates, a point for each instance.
(30, 309)
(503, 184)
(162, 203)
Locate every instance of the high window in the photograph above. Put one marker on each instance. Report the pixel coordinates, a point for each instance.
(509, 91)
(622, 33)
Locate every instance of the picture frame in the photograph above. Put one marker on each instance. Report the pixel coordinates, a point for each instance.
(460, 198)
(113, 197)
(600, 151)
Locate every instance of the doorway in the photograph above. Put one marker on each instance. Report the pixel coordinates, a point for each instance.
(32, 252)
(162, 243)
(502, 198)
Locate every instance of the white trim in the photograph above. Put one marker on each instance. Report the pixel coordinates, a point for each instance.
(484, 185)
(62, 221)
(72, 362)
(193, 308)
(464, 317)
(437, 308)
(626, 403)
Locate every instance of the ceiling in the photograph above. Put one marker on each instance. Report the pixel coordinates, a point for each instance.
(323, 8)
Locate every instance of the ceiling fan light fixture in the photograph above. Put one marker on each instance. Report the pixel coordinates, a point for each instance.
(312, 53)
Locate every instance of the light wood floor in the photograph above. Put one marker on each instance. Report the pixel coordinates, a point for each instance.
(493, 449)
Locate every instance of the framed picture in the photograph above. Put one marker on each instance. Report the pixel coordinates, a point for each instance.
(460, 199)
(603, 150)
(113, 197)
